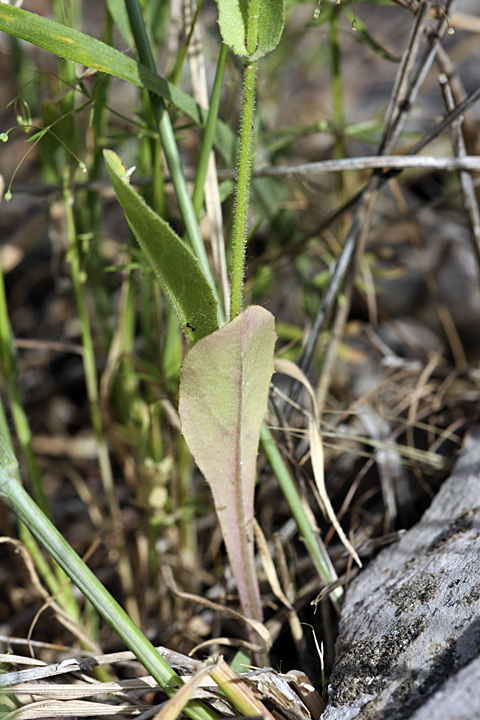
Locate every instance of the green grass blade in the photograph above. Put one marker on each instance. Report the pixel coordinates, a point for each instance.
(295, 504)
(117, 10)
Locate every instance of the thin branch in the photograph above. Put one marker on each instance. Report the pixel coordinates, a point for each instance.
(466, 180)
(373, 162)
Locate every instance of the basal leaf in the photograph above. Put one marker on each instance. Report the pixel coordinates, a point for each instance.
(85, 50)
(176, 267)
(223, 399)
(233, 22)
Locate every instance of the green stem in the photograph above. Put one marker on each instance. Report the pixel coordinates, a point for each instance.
(244, 177)
(180, 60)
(167, 135)
(245, 163)
(207, 143)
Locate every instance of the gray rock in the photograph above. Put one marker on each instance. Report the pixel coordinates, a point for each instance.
(409, 638)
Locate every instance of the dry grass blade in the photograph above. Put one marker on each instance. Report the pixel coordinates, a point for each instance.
(237, 691)
(87, 697)
(268, 565)
(316, 448)
(72, 708)
(255, 624)
(286, 693)
(212, 196)
(172, 709)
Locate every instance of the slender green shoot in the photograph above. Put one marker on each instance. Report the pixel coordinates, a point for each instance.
(245, 164)
(209, 133)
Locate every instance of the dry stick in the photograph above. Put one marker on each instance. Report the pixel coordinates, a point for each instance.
(453, 91)
(466, 182)
(469, 126)
(346, 257)
(434, 37)
(339, 273)
(398, 106)
(343, 310)
(374, 162)
(411, 5)
(373, 185)
(444, 124)
(459, 94)
(369, 162)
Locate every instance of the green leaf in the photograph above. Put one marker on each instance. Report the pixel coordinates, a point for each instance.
(174, 264)
(233, 22)
(117, 10)
(223, 399)
(85, 50)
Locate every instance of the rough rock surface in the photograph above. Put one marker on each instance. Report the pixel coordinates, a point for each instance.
(409, 640)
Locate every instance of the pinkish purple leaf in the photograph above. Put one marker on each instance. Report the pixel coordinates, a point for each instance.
(223, 400)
